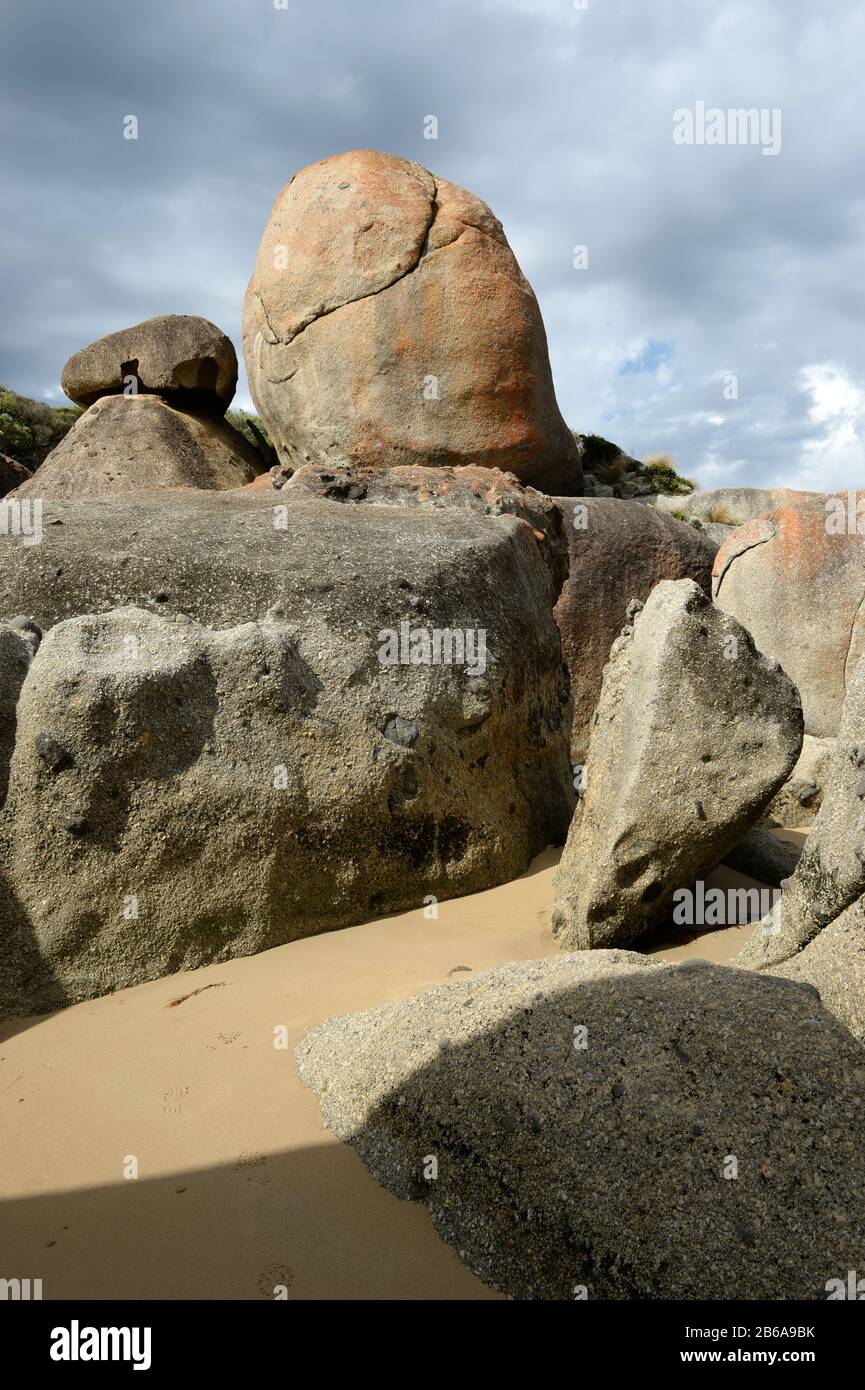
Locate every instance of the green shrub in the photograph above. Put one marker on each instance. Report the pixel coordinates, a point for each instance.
(29, 429)
(659, 467)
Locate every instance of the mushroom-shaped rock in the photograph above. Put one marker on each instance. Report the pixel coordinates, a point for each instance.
(179, 356)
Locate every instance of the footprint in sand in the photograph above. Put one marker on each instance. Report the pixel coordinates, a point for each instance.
(174, 1098)
(253, 1165)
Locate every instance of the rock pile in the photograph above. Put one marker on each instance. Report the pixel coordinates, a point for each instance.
(156, 395)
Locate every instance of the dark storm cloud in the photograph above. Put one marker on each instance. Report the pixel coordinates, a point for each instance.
(728, 260)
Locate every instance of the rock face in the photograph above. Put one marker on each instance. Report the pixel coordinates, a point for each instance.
(619, 551)
(798, 585)
(487, 491)
(183, 358)
(387, 323)
(733, 505)
(205, 793)
(834, 963)
(693, 734)
(130, 443)
(584, 1113)
(226, 558)
(830, 874)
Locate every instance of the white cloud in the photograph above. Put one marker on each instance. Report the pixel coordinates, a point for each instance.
(834, 457)
(560, 120)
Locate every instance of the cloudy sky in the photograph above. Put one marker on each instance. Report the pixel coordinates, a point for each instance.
(721, 312)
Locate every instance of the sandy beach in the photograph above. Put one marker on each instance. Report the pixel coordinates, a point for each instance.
(239, 1189)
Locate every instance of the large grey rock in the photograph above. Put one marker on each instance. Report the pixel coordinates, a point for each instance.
(797, 583)
(830, 874)
(619, 551)
(180, 794)
(693, 734)
(130, 443)
(225, 557)
(178, 356)
(834, 963)
(611, 1128)
(387, 322)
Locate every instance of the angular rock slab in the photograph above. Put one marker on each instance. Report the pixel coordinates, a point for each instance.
(618, 551)
(687, 747)
(797, 583)
(180, 794)
(387, 322)
(833, 962)
(584, 1113)
(830, 874)
(134, 443)
(174, 355)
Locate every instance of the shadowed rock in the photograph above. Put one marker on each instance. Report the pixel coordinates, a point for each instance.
(693, 734)
(16, 653)
(830, 874)
(801, 796)
(605, 1127)
(761, 855)
(618, 552)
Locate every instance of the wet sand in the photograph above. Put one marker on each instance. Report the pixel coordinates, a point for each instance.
(240, 1190)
